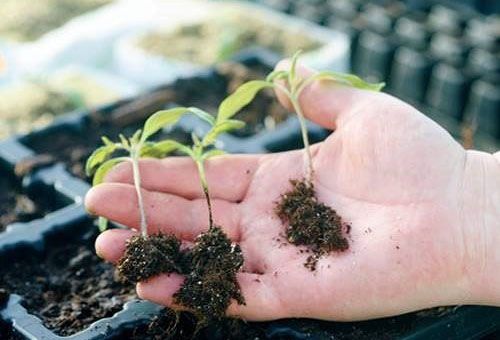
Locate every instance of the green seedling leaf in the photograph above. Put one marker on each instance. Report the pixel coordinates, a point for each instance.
(276, 75)
(224, 126)
(160, 149)
(292, 75)
(102, 224)
(240, 98)
(207, 117)
(160, 120)
(124, 141)
(135, 138)
(348, 79)
(100, 155)
(212, 153)
(106, 141)
(105, 167)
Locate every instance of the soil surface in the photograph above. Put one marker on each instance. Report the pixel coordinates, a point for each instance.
(68, 286)
(148, 257)
(16, 206)
(311, 223)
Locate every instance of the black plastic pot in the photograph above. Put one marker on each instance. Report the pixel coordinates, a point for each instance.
(66, 224)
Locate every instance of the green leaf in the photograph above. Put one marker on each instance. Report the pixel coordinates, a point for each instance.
(106, 141)
(104, 169)
(224, 126)
(98, 156)
(160, 149)
(212, 153)
(161, 119)
(347, 79)
(276, 74)
(102, 224)
(207, 117)
(240, 98)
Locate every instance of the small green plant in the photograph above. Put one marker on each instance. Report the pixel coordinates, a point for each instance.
(138, 146)
(293, 86)
(204, 148)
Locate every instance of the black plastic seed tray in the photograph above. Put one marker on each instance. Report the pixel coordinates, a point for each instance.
(71, 224)
(442, 56)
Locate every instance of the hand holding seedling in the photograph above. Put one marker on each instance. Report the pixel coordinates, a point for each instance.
(423, 213)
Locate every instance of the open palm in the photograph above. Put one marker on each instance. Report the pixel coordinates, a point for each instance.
(394, 175)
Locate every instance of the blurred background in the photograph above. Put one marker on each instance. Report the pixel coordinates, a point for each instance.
(57, 56)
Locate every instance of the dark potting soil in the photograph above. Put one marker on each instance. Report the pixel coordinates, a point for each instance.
(148, 257)
(68, 287)
(311, 223)
(210, 267)
(17, 206)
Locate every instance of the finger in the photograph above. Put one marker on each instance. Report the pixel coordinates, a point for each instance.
(261, 300)
(160, 289)
(110, 245)
(327, 103)
(228, 176)
(165, 213)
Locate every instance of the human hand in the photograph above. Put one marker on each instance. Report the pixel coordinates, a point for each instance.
(424, 214)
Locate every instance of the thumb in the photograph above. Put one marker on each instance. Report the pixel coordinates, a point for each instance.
(325, 102)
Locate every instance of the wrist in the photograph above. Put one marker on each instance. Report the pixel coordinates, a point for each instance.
(481, 227)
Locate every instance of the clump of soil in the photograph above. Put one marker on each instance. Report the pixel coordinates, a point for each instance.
(147, 257)
(211, 284)
(68, 287)
(210, 268)
(311, 223)
(16, 206)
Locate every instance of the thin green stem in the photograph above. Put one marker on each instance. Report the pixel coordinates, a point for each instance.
(137, 184)
(305, 137)
(204, 184)
(293, 97)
